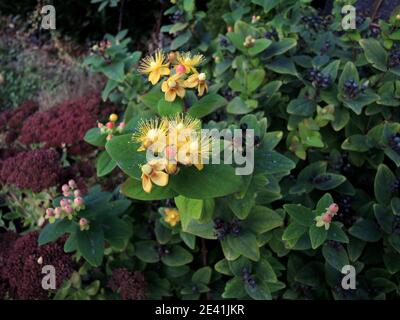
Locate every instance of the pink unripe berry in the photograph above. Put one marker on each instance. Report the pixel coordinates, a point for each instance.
(327, 218)
(50, 212)
(83, 222)
(64, 202)
(68, 209)
(65, 188)
(334, 208)
(79, 201)
(180, 69)
(77, 193)
(110, 125)
(122, 124)
(72, 184)
(109, 137)
(57, 211)
(99, 125)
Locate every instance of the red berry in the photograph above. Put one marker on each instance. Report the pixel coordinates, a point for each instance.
(327, 218)
(110, 125)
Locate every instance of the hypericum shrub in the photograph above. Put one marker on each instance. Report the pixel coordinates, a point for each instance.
(22, 264)
(35, 170)
(324, 192)
(66, 124)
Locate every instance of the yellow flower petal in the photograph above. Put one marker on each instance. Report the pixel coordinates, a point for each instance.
(170, 95)
(159, 178)
(146, 183)
(154, 76)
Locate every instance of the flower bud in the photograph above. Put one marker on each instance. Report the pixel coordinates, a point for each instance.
(202, 76)
(327, 218)
(65, 188)
(40, 260)
(72, 184)
(77, 193)
(79, 201)
(171, 168)
(171, 56)
(100, 125)
(229, 29)
(57, 212)
(334, 208)
(113, 117)
(180, 69)
(64, 202)
(68, 209)
(83, 224)
(109, 137)
(49, 212)
(122, 124)
(110, 125)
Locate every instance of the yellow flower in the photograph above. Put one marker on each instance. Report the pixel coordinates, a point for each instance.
(171, 216)
(195, 151)
(172, 87)
(155, 67)
(189, 62)
(151, 133)
(152, 172)
(199, 81)
(181, 128)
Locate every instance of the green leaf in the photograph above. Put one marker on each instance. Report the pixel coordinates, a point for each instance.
(293, 231)
(114, 71)
(262, 219)
(52, 231)
(166, 108)
(152, 98)
(220, 180)
(375, 53)
(259, 46)
(260, 291)
(336, 257)
(246, 244)
(133, 188)
(145, 251)
(357, 143)
(207, 105)
(384, 179)
(301, 107)
(283, 65)
(279, 47)
(349, 73)
(328, 181)
(95, 137)
(124, 152)
(254, 79)
(104, 164)
(188, 209)
(203, 275)
(336, 233)
(117, 232)
(317, 236)
(366, 230)
(237, 106)
(268, 5)
(272, 162)
(177, 257)
(300, 214)
(180, 40)
(234, 289)
(91, 244)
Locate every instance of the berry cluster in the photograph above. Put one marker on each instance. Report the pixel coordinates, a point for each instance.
(110, 128)
(394, 142)
(223, 41)
(325, 219)
(333, 244)
(69, 206)
(321, 179)
(394, 57)
(315, 23)
(248, 278)
(351, 89)
(177, 17)
(222, 228)
(228, 94)
(162, 250)
(326, 47)
(302, 289)
(342, 164)
(345, 215)
(395, 187)
(318, 79)
(272, 35)
(374, 29)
